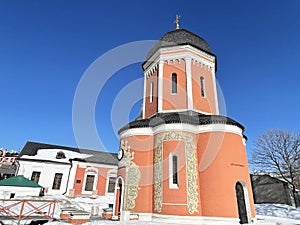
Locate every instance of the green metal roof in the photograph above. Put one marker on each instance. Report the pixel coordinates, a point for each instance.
(18, 181)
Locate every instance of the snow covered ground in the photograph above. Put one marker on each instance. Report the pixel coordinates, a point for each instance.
(267, 214)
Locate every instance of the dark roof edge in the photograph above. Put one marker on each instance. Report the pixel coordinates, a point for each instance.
(43, 160)
(183, 118)
(32, 147)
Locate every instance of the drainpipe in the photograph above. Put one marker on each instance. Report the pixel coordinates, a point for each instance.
(68, 176)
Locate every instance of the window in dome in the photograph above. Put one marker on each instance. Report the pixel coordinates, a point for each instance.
(174, 83)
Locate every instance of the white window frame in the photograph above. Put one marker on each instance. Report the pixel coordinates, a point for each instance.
(90, 171)
(173, 185)
(151, 92)
(110, 173)
(176, 84)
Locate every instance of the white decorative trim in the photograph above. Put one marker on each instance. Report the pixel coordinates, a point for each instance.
(148, 73)
(181, 204)
(171, 53)
(215, 91)
(122, 197)
(191, 169)
(96, 165)
(160, 86)
(151, 92)
(189, 86)
(145, 217)
(196, 129)
(110, 174)
(144, 98)
(247, 202)
(171, 184)
(136, 132)
(188, 219)
(90, 171)
(184, 110)
(244, 141)
(203, 220)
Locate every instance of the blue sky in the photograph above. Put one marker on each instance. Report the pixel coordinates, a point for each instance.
(46, 46)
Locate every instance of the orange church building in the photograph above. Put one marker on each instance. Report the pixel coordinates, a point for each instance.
(182, 162)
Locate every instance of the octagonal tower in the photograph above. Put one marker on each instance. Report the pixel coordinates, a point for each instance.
(182, 162)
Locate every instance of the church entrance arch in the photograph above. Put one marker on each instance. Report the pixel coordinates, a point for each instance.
(119, 197)
(242, 196)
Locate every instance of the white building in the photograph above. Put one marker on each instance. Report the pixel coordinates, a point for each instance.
(66, 170)
(18, 186)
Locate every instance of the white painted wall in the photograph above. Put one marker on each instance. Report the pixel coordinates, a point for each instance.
(5, 191)
(48, 171)
(49, 168)
(50, 165)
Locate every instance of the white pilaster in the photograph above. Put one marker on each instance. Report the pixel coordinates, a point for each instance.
(215, 89)
(144, 99)
(189, 90)
(160, 85)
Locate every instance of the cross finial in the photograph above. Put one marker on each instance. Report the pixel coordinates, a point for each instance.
(177, 21)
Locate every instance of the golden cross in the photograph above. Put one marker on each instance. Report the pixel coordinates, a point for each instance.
(177, 21)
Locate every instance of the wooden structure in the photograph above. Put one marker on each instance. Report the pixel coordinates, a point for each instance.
(24, 209)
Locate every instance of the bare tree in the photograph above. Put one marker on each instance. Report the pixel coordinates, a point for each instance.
(278, 151)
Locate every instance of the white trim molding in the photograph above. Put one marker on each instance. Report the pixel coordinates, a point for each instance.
(90, 171)
(196, 129)
(172, 185)
(160, 86)
(215, 91)
(178, 52)
(189, 86)
(203, 220)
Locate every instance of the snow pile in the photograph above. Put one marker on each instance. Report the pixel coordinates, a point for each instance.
(278, 210)
(105, 222)
(277, 213)
(86, 204)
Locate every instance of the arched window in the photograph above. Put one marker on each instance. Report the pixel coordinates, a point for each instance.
(174, 83)
(173, 171)
(202, 86)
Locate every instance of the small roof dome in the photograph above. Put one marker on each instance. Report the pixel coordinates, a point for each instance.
(180, 37)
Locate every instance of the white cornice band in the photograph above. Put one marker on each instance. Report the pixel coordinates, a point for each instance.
(173, 54)
(195, 129)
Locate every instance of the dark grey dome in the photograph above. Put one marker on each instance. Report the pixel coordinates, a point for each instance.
(180, 37)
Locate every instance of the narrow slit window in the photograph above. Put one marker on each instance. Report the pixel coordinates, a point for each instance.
(151, 92)
(174, 83)
(202, 85)
(175, 169)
